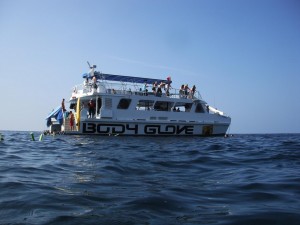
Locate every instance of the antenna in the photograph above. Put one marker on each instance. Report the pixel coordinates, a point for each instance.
(91, 67)
(89, 64)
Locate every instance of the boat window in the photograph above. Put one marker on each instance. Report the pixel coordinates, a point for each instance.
(145, 104)
(73, 106)
(199, 108)
(124, 103)
(183, 106)
(187, 107)
(163, 106)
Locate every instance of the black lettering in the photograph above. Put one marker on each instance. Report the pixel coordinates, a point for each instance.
(186, 129)
(189, 130)
(135, 128)
(91, 128)
(116, 131)
(151, 129)
(169, 129)
(88, 128)
(102, 131)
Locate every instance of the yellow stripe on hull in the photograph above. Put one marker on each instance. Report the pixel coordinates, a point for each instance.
(78, 114)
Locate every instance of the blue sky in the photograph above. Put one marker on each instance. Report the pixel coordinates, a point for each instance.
(243, 56)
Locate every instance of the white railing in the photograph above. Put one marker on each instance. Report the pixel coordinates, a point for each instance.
(127, 88)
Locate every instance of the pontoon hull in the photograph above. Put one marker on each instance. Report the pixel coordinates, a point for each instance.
(150, 128)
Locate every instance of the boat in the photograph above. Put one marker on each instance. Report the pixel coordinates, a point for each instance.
(107, 104)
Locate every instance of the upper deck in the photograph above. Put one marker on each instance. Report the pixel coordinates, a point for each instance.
(128, 85)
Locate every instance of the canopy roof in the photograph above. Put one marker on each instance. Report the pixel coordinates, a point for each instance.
(122, 78)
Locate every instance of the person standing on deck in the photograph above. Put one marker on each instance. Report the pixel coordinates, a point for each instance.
(154, 86)
(181, 91)
(168, 86)
(193, 90)
(63, 105)
(94, 84)
(145, 90)
(71, 116)
(186, 90)
(159, 89)
(91, 106)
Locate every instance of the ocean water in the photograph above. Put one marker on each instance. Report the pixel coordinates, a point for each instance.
(244, 179)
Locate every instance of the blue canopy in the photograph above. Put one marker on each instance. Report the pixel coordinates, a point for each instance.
(57, 114)
(122, 78)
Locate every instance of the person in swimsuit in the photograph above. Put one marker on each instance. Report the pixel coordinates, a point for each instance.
(71, 116)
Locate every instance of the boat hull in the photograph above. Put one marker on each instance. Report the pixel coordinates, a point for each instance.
(145, 128)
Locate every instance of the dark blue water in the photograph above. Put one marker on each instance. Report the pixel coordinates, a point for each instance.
(244, 179)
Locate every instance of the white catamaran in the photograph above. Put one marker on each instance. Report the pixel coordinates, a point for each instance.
(107, 104)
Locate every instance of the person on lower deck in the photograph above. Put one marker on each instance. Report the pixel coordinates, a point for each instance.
(71, 116)
(91, 106)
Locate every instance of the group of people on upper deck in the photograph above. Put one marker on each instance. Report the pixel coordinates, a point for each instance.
(157, 88)
(184, 92)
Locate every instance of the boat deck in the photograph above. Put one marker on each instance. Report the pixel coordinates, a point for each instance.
(105, 87)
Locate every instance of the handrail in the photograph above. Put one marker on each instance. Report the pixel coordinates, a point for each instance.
(127, 88)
